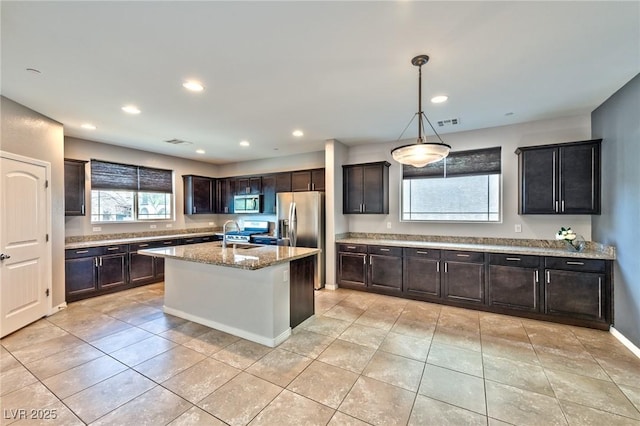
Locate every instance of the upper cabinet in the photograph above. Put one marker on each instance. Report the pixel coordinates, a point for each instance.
(225, 189)
(271, 185)
(248, 185)
(559, 178)
(199, 192)
(307, 180)
(74, 200)
(366, 188)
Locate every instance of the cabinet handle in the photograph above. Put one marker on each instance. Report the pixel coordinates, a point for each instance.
(599, 297)
(548, 278)
(351, 247)
(537, 277)
(194, 209)
(438, 266)
(462, 255)
(101, 262)
(563, 206)
(364, 259)
(445, 268)
(569, 262)
(364, 208)
(514, 259)
(189, 241)
(82, 251)
(82, 209)
(308, 187)
(313, 186)
(113, 248)
(95, 261)
(535, 293)
(167, 242)
(143, 245)
(383, 249)
(422, 252)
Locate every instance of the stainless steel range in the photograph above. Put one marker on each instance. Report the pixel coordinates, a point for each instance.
(250, 228)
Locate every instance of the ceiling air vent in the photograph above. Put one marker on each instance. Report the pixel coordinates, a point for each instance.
(449, 122)
(178, 142)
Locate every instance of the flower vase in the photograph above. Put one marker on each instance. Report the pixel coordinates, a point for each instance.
(577, 245)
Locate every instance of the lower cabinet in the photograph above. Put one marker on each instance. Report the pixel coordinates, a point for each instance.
(576, 288)
(514, 282)
(93, 271)
(463, 277)
(567, 290)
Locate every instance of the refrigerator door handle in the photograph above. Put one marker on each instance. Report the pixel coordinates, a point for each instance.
(293, 224)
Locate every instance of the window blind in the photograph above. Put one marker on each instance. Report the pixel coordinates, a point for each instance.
(127, 177)
(484, 161)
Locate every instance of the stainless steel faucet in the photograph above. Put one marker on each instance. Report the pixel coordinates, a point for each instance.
(224, 231)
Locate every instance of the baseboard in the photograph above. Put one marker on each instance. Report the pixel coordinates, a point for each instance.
(331, 286)
(55, 309)
(628, 343)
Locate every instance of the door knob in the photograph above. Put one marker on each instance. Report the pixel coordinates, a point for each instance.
(4, 256)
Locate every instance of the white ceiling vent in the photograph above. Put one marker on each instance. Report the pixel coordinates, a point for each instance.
(178, 142)
(449, 122)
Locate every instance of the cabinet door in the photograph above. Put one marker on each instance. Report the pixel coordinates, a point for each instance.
(464, 281)
(421, 277)
(353, 190)
(352, 269)
(269, 194)
(112, 271)
(574, 294)
(283, 182)
(539, 181)
(514, 287)
(224, 195)
(580, 179)
(385, 273)
(80, 277)
(74, 200)
(158, 268)
(301, 180)
(198, 195)
(373, 190)
(140, 269)
(317, 180)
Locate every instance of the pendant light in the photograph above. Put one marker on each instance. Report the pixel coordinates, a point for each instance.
(422, 152)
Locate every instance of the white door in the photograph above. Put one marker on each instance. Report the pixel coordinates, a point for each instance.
(24, 248)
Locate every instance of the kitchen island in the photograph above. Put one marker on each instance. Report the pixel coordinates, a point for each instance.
(255, 292)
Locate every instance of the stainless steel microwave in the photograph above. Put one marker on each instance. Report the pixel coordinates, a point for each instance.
(247, 203)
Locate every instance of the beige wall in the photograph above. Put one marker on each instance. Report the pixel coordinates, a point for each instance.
(30, 134)
(565, 129)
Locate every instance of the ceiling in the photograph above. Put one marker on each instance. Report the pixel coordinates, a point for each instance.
(336, 70)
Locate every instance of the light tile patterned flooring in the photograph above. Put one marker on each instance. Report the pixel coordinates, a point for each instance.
(363, 359)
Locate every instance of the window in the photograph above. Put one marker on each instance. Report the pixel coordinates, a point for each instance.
(464, 187)
(127, 193)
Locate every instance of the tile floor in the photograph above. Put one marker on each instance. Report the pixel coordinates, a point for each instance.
(363, 359)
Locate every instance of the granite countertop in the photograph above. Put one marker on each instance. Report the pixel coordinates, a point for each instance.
(508, 246)
(128, 240)
(251, 258)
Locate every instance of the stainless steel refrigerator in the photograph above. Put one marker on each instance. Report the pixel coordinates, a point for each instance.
(300, 223)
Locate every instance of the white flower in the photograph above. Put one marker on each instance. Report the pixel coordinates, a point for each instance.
(559, 236)
(570, 237)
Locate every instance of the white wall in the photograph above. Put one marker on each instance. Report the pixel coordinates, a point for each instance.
(28, 133)
(80, 149)
(312, 160)
(566, 129)
(336, 222)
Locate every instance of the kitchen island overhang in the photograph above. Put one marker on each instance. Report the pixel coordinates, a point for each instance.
(258, 292)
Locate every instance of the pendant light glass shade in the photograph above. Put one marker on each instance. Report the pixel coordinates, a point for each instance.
(421, 153)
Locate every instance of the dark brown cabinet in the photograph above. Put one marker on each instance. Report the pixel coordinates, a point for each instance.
(560, 178)
(352, 265)
(199, 193)
(307, 180)
(74, 191)
(93, 271)
(366, 188)
(421, 273)
(301, 293)
(248, 185)
(463, 278)
(577, 288)
(225, 189)
(385, 269)
(514, 282)
(149, 269)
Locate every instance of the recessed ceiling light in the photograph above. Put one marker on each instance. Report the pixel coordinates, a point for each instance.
(200, 151)
(193, 86)
(297, 133)
(88, 126)
(244, 143)
(131, 109)
(439, 99)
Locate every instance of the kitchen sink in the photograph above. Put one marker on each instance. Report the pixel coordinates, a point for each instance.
(239, 246)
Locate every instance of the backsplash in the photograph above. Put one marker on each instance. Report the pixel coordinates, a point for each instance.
(139, 234)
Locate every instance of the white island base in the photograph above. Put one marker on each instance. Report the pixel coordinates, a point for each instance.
(252, 304)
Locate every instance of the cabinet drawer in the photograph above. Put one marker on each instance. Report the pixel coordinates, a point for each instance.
(575, 264)
(464, 256)
(386, 250)
(83, 252)
(514, 260)
(352, 248)
(115, 249)
(424, 253)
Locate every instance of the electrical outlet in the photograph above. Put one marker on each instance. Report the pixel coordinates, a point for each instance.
(518, 227)
(152, 226)
(285, 275)
(169, 225)
(388, 225)
(212, 224)
(97, 229)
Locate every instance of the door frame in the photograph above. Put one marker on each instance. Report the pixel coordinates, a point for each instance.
(48, 262)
